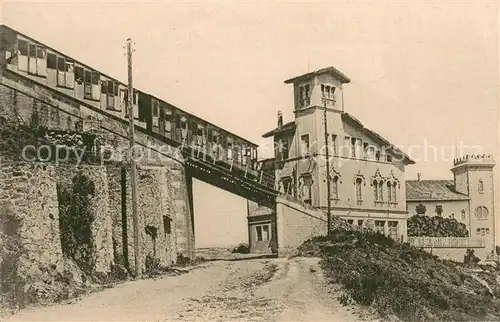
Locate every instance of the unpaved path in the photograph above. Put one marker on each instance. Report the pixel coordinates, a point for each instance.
(275, 289)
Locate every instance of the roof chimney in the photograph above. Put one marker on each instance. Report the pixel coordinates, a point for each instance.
(419, 176)
(280, 120)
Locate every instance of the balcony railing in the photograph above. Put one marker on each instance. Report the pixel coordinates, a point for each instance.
(446, 242)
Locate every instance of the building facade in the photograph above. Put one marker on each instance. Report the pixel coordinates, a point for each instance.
(468, 198)
(367, 172)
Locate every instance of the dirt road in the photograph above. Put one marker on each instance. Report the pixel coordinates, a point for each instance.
(275, 289)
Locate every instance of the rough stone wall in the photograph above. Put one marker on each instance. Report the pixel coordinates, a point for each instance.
(102, 231)
(157, 199)
(116, 204)
(29, 192)
(23, 100)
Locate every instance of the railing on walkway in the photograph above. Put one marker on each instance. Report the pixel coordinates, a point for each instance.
(245, 171)
(446, 242)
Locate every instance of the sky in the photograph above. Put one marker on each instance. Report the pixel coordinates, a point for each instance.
(423, 74)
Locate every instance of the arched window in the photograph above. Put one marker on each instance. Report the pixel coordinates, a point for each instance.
(381, 191)
(335, 188)
(389, 191)
(480, 186)
(375, 190)
(481, 212)
(359, 196)
(393, 192)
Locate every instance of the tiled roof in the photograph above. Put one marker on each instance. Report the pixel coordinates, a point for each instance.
(388, 145)
(328, 70)
(420, 190)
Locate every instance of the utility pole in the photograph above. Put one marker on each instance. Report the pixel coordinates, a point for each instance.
(133, 167)
(328, 178)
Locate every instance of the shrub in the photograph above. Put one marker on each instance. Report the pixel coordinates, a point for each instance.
(422, 225)
(241, 249)
(401, 280)
(75, 220)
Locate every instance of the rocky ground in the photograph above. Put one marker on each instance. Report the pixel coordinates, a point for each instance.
(258, 289)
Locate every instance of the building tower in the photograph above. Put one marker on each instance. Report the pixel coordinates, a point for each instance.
(473, 176)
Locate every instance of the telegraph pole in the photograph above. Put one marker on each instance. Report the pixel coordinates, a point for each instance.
(133, 167)
(329, 202)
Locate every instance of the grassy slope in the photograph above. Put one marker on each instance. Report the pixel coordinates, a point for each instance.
(401, 280)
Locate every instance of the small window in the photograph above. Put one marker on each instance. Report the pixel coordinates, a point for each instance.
(78, 72)
(167, 225)
(389, 158)
(95, 78)
(258, 230)
(359, 196)
(88, 76)
(478, 231)
(334, 144)
(22, 46)
(40, 52)
(389, 191)
(285, 149)
(335, 188)
(156, 110)
(463, 214)
(393, 192)
(51, 61)
(381, 191)
(377, 155)
(350, 221)
(353, 147)
(305, 143)
(265, 233)
(380, 226)
(360, 222)
(32, 50)
(61, 64)
(110, 88)
(439, 210)
(481, 212)
(480, 186)
(487, 231)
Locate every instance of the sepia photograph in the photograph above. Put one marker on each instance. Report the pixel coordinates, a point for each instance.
(249, 160)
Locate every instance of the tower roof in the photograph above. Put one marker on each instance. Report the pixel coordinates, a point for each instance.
(327, 70)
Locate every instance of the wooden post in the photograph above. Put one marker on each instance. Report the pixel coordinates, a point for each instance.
(133, 167)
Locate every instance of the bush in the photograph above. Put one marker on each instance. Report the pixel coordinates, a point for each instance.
(422, 225)
(241, 249)
(470, 258)
(401, 280)
(75, 220)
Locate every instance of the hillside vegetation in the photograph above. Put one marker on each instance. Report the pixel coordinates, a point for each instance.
(401, 281)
